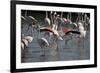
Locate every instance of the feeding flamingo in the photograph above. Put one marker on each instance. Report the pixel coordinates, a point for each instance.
(42, 42)
(25, 41)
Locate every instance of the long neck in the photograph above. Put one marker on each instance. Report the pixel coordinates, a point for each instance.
(85, 16)
(70, 16)
(51, 18)
(61, 14)
(32, 33)
(38, 36)
(46, 14)
(78, 18)
(25, 13)
(82, 17)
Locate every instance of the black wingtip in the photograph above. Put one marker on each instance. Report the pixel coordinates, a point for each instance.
(74, 32)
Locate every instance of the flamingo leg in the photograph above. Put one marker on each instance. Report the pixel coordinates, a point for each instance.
(43, 52)
(81, 47)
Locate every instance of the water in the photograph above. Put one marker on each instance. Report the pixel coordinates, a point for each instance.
(73, 50)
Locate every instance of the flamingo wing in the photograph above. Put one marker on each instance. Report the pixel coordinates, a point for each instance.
(22, 45)
(43, 42)
(55, 32)
(74, 32)
(25, 42)
(46, 29)
(66, 31)
(29, 38)
(23, 20)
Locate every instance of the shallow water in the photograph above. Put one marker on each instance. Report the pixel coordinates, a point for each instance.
(73, 50)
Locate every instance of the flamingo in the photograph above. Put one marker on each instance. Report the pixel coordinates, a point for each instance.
(46, 21)
(68, 22)
(31, 20)
(28, 20)
(81, 38)
(27, 39)
(51, 29)
(24, 43)
(60, 21)
(55, 32)
(86, 22)
(68, 33)
(23, 21)
(55, 35)
(82, 30)
(42, 42)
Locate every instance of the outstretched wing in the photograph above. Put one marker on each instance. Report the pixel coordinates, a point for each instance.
(74, 32)
(46, 29)
(67, 31)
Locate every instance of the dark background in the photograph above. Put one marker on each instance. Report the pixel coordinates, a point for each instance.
(40, 15)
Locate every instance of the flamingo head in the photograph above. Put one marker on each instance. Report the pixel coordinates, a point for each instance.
(47, 21)
(75, 25)
(80, 24)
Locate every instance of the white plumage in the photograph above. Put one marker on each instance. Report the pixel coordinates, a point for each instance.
(29, 38)
(81, 30)
(43, 42)
(22, 45)
(25, 42)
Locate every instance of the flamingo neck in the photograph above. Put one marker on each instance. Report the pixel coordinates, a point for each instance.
(46, 14)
